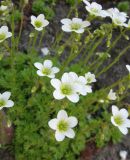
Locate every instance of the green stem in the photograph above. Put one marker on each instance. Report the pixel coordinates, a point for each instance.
(21, 26)
(116, 60)
(92, 50)
(41, 38)
(35, 39)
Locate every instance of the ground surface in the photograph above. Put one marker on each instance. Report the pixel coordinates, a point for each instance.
(110, 152)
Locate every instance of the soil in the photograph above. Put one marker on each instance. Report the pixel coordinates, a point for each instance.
(91, 152)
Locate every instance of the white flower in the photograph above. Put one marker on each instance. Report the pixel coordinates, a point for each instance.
(65, 88)
(129, 23)
(128, 67)
(46, 69)
(4, 34)
(95, 9)
(76, 24)
(45, 51)
(4, 100)
(123, 155)
(39, 22)
(120, 119)
(118, 18)
(80, 82)
(112, 95)
(3, 8)
(90, 78)
(63, 125)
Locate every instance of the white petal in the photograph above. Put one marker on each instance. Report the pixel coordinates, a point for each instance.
(9, 103)
(59, 136)
(62, 114)
(77, 20)
(85, 23)
(48, 63)
(124, 130)
(88, 88)
(128, 67)
(33, 18)
(66, 78)
(45, 23)
(113, 122)
(124, 113)
(56, 83)
(39, 29)
(53, 123)
(86, 2)
(80, 30)
(4, 29)
(73, 98)
(8, 34)
(127, 123)
(115, 110)
(58, 95)
(55, 70)
(74, 76)
(41, 17)
(66, 21)
(6, 95)
(38, 65)
(40, 73)
(52, 75)
(1, 108)
(72, 121)
(66, 28)
(70, 133)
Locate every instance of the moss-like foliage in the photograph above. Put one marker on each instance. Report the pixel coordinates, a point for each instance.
(35, 106)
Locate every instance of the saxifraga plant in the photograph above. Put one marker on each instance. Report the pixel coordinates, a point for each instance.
(57, 106)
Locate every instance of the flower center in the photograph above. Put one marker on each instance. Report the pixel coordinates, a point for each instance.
(118, 120)
(94, 10)
(89, 80)
(2, 102)
(46, 71)
(117, 21)
(38, 24)
(66, 89)
(63, 126)
(2, 36)
(75, 26)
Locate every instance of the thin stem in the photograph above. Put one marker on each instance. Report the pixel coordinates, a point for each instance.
(92, 50)
(21, 26)
(116, 60)
(41, 38)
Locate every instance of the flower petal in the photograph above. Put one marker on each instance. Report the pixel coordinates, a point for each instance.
(9, 103)
(113, 122)
(66, 21)
(56, 83)
(124, 130)
(66, 28)
(124, 113)
(6, 95)
(127, 123)
(62, 114)
(38, 65)
(70, 133)
(58, 95)
(40, 73)
(48, 63)
(73, 98)
(115, 110)
(55, 70)
(53, 123)
(72, 121)
(59, 136)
